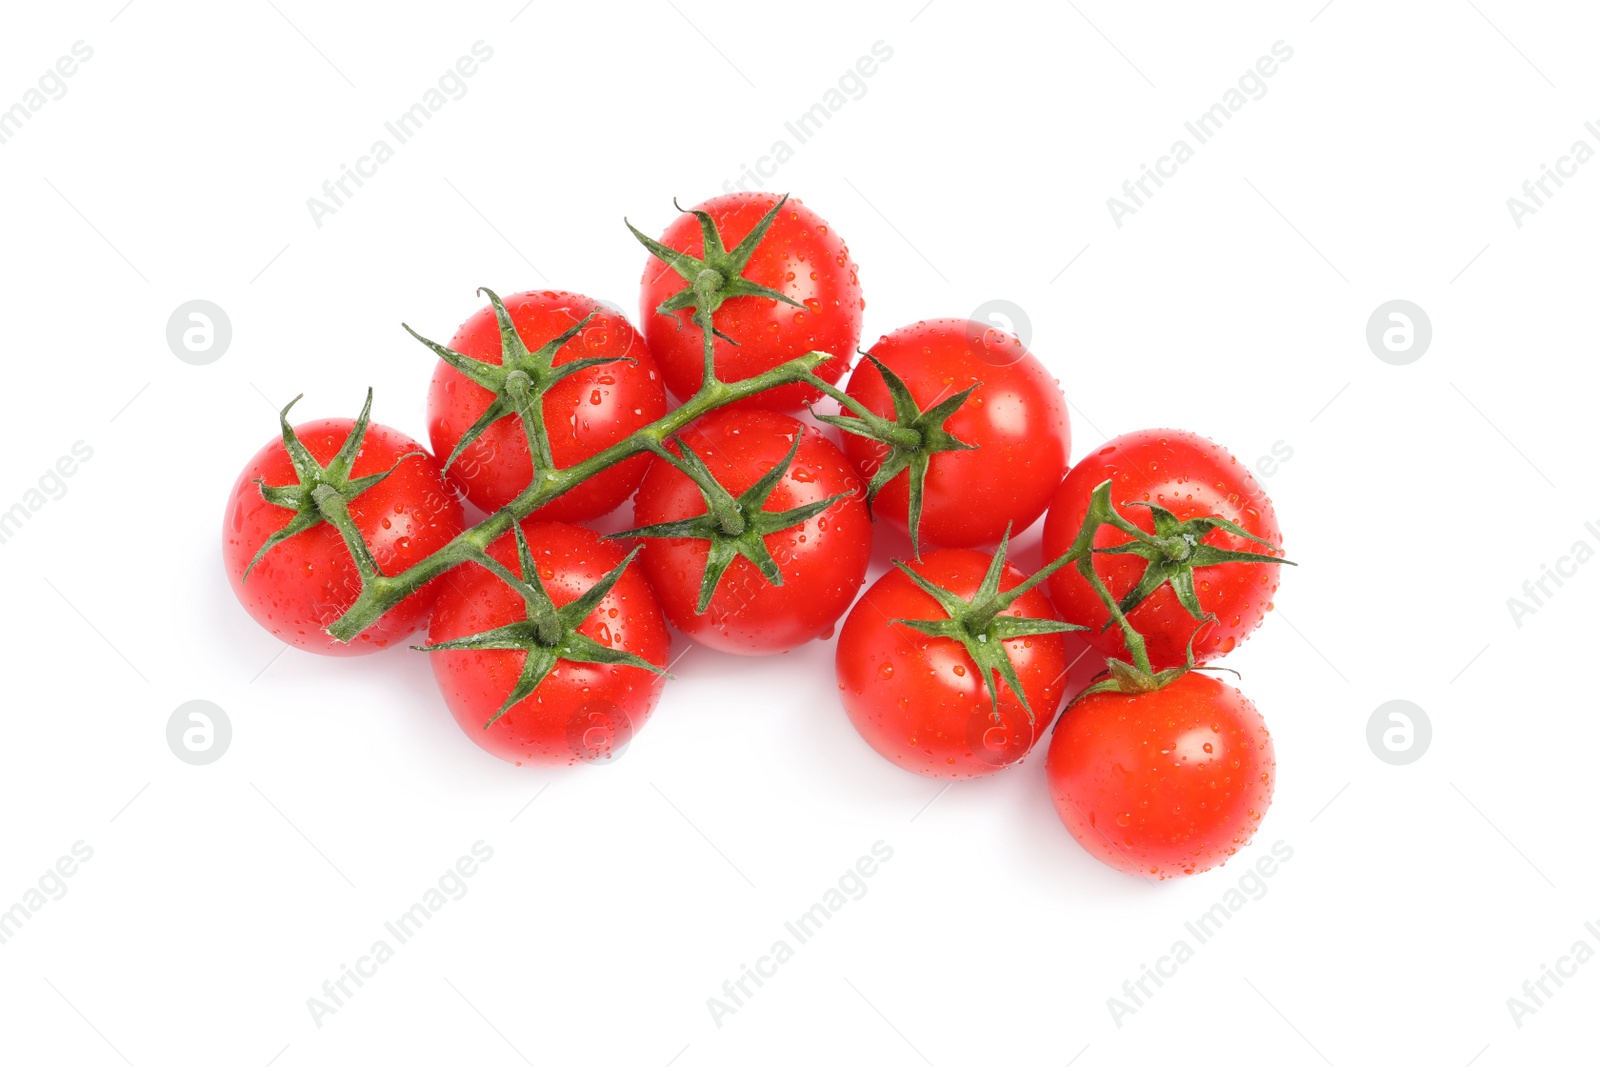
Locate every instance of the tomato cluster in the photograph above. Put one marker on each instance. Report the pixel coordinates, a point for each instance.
(753, 533)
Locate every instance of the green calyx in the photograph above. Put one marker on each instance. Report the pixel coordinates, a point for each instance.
(913, 437)
(981, 625)
(549, 633)
(716, 276)
(1131, 680)
(1172, 553)
(518, 382)
(323, 494)
(1175, 550)
(733, 526)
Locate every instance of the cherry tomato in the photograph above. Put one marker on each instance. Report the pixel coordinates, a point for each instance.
(823, 560)
(922, 702)
(801, 257)
(1162, 783)
(1017, 419)
(304, 583)
(1191, 477)
(580, 711)
(584, 413)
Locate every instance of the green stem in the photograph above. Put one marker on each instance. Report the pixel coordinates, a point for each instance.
(380, 593)
(1102, 512)
(893, 433)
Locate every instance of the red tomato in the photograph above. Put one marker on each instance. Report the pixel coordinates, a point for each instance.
(1017, 419)
(583, 414)
(304, 583)
(823, 560)
(1192, 478)
(1163, 783)
(580, 712)
(800, 257)
(921, 701)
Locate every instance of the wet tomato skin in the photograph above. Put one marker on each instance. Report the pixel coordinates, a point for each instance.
(1166, 783)
(1190, 476)
(802, 257)
(583, 414)
(919, 701)
(1017, 418)
(581, 712)
(823, 560)
(305, 583)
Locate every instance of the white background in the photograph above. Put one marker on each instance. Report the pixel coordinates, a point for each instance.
(976, 166)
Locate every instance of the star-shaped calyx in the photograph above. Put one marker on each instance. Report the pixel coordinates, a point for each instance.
(913, 437)
(717, 275)
(732, 525)
(1175, 550)
(981, 625)
(519, 381)
(549, 633)
(323, 493)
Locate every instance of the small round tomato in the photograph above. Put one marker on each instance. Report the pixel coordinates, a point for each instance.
(580, 711)
(922, 701)
(1016, 419)
(584, 413)
(1162, 783)
(801, 257)
(302, 584)
(822, 559)
(1191, 477)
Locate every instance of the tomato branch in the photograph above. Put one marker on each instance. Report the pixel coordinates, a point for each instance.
(380, 592)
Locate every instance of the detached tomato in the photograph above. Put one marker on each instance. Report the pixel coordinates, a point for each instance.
(923, 701)
(821, 555)
(1016, 422)
(306, 581)
(578, 710)
(584, 413)
(800, 257)
(1163, 783)
(1193, 478)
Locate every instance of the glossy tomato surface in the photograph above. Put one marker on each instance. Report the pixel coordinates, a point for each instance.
(583, 414)
(920, 701)
(581, 712)
(802, 257)
(1017, 418)
(306, 582)
(823, 559)
(1191, 477)
(1166, 783)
